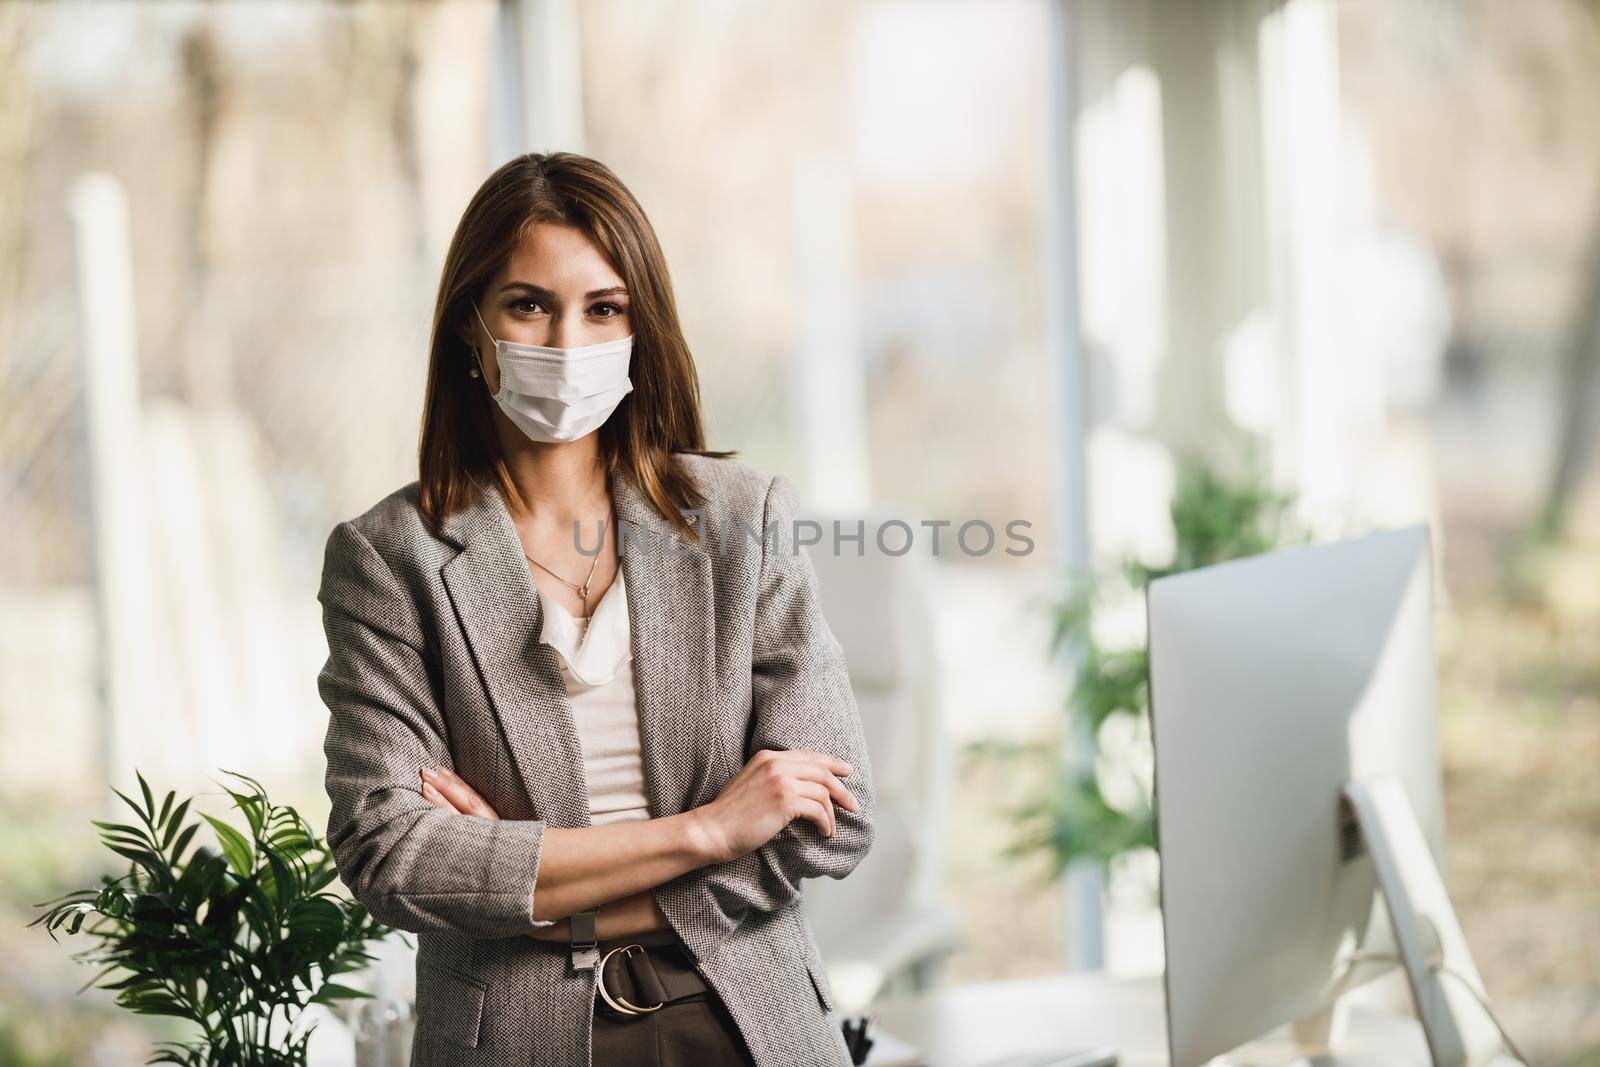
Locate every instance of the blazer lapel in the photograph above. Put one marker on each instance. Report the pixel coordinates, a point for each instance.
(494, 598)
(670, 608)
(671, 611)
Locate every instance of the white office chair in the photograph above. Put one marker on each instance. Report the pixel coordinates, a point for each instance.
(888, 926)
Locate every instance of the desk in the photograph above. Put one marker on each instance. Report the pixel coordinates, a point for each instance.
(961, 1026)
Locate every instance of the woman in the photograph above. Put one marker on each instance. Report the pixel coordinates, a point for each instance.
(589, 729)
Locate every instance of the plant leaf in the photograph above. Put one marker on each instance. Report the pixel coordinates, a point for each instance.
(166, 806)
(175, 824)
(149, 800)
(235, 846)
(332, 991)
(143, 815)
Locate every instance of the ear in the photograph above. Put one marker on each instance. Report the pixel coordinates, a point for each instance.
(466, 329)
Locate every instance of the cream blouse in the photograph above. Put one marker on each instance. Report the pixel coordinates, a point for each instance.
(597, 664)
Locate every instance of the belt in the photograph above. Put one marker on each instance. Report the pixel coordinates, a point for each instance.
(641, 973)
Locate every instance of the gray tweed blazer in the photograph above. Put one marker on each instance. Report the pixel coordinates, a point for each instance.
(434, 657)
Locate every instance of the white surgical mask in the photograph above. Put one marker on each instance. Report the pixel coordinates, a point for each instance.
(560, 394)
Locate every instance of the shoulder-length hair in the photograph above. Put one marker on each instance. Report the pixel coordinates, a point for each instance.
(659, 417)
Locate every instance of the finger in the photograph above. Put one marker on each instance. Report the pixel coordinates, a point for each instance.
(454, 784)
(465, 799)
(812, 793)
(834, 764)
(436, 798)
(431, 795)
(450, 787)
(836, 789)
(813, 811)
(470, 800)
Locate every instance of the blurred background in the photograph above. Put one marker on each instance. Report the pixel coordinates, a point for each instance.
(1313, 267)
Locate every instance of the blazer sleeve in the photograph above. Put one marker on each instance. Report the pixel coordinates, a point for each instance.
(801, 699)
(412, 865)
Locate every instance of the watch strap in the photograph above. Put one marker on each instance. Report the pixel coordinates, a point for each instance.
(581, 934)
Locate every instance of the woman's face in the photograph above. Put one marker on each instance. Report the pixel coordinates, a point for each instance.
(556, 290)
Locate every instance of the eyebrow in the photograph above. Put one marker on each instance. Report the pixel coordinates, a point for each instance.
(615, 290)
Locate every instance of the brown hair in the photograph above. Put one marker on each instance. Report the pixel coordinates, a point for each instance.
(659, 417)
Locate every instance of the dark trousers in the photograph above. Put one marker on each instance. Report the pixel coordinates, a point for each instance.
(692, 1028)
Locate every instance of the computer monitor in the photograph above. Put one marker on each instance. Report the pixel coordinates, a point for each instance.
(1298, 797)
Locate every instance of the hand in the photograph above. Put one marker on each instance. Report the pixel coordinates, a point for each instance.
(446, 790)
(774, 788)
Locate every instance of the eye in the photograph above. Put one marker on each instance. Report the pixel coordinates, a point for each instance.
(526, 305)
(615, 310)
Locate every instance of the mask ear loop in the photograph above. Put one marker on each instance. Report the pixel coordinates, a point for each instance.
(485, 325)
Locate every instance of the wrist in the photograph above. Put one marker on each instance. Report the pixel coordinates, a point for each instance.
(559, 930)
(704, 841)
(628, 916)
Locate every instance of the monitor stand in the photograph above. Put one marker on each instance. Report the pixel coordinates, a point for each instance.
(1433, 950)
(1327, 1030)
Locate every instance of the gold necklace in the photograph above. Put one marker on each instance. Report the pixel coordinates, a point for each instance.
(581, 590)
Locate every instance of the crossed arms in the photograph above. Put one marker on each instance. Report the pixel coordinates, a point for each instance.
(420, 868)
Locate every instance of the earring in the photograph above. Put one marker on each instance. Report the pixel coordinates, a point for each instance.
(477, 362)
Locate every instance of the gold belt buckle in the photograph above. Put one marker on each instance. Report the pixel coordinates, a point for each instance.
(618, 1002)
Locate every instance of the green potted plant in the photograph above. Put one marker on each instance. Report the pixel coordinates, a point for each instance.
(1074, 815)
(237, 939)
